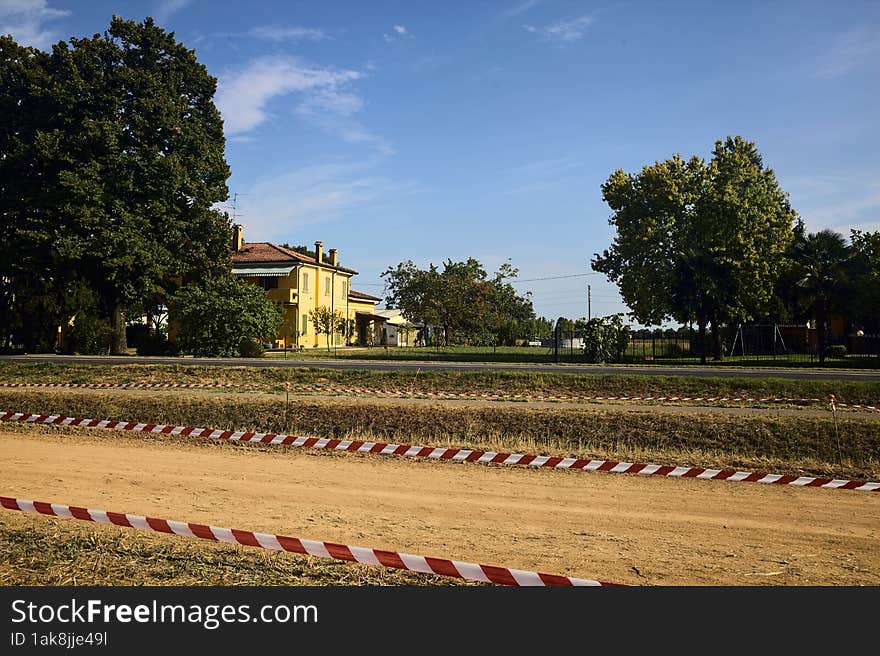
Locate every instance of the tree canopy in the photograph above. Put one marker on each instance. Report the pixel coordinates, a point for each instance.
(461, 298)
(698, 241)
(110, 161)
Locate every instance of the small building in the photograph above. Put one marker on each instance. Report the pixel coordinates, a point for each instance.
(300, 283)
(367, 322)
(396, 330)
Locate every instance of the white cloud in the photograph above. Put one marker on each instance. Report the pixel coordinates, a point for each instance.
(850, 51)
(520, 8)
(243, 96)
(398, 32)
(332, 100)
(563, 31)
(839, 202)
(294, 33)
(333, 111)
(24, 20)
(167, 8)
(277, 206)
(325, 99)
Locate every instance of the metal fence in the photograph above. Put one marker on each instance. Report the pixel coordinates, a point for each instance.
(749, 343)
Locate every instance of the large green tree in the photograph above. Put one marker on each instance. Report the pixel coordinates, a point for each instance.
(696, 241)
(822, 279)
(865, 271)
(461, 298)
(125, 154)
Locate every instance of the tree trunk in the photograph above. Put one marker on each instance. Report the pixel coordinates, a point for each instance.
(701, 323)
(118, 344)
(717, 354)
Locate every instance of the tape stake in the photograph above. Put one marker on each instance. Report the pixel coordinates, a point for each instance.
(317, 549)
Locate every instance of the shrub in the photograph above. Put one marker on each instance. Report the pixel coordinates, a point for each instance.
(250, 349)
(605, 338)
(836, 351)
(89, 335)
(156, 344)
(214, 319)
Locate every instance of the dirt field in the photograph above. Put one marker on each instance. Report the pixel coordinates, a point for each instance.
(620, 528)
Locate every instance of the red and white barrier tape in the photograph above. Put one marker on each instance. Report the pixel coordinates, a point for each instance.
(365, 555)
(135, 385)
(675, 398)
(564, 397)
(442, 453)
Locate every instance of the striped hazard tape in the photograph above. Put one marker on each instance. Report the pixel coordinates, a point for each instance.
(674, 398)
(560, 397)
(440, 394)
(443, 453)
(376, 557)
(135, 385)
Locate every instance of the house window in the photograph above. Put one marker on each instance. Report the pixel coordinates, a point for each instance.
(305, 285)
(305, 324)
(344, 287)
(269, 282)
(327, 286)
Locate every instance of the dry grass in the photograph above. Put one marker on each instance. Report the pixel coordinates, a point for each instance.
(48, 551)
(791, 444)
(271, 378)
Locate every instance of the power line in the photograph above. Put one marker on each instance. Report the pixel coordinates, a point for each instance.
(574, 275)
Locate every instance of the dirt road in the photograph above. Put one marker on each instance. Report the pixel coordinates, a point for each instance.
(618, 528)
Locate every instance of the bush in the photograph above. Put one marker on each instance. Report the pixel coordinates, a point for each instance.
(250, 349)
(216, 318)
(89, 335)
(155, 344)
(836, 351)
(605, 338)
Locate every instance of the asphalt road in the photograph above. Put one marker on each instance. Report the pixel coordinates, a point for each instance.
(380, 365)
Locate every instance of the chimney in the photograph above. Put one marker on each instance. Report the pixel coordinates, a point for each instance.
(237, 236)
(334, 257)
(319, 251)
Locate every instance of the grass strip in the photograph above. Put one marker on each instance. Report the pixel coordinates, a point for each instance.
(511, 382)
(47, 551)
(786, 445)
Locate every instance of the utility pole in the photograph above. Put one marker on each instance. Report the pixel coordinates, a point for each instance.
(589, 303)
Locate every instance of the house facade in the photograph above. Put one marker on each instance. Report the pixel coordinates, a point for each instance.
(300, 283)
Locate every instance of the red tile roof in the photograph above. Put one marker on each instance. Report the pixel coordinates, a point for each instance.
(361, 296)
(258, 252)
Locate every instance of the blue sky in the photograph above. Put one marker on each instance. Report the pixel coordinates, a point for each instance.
(433, 130)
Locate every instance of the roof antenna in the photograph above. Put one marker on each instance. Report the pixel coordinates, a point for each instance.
(235, 213)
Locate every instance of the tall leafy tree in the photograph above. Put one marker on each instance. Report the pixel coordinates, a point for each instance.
(865, 272)
(698, 242)
(460, 298)
(131, 150)
(821, 276)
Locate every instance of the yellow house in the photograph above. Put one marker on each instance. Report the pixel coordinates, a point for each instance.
(300, 283)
